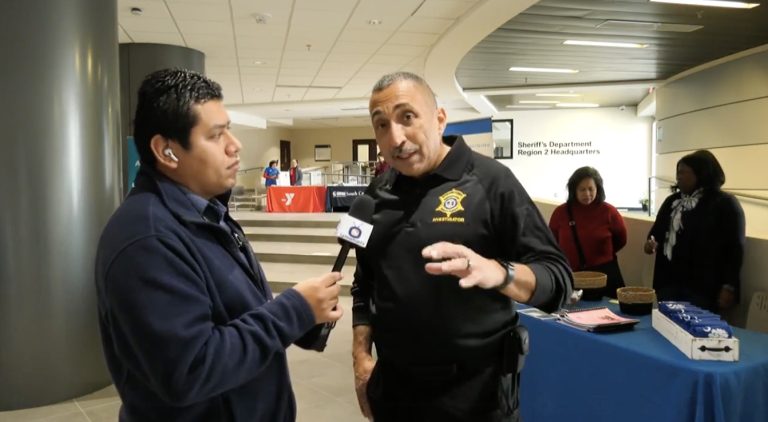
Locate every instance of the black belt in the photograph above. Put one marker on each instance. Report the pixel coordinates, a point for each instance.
(508, 354)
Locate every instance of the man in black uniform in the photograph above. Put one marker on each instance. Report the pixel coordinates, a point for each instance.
(456, 241)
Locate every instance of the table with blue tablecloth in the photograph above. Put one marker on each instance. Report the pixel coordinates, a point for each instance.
(340, 198)
(637, 375)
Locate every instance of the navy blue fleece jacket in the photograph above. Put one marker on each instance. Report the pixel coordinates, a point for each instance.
(189, 326)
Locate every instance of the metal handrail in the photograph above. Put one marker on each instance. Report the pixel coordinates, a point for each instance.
(259, 169)
(345, 177)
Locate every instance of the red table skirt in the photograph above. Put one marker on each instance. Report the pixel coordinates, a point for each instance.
(296, 199)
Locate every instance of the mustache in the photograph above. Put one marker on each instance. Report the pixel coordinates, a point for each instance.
(403, 150)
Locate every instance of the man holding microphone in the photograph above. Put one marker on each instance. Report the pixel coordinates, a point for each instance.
(190, 329)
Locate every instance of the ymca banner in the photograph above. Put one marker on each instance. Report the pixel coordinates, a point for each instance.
(296, 199)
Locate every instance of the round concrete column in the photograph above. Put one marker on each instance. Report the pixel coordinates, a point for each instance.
(60, 183)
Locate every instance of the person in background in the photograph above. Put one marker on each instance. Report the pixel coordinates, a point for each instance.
(698, 237)
(189, 326)
(456, 242)
(589, 230)
(296, 174)
(270, 174)
(381, 165)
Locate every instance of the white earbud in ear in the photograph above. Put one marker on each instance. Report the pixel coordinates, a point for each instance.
(169, 153)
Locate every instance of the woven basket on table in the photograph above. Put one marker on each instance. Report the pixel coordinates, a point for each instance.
(589, 280)
(636, 295)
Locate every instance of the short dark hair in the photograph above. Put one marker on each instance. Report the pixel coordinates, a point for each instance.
(165, 105)
(391, 78)
(581, 174)
(272, 162)
(709, 173)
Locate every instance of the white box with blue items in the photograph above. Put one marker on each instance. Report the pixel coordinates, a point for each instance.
(696, 348)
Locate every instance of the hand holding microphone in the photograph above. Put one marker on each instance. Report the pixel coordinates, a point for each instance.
(353, 230)
(322, 294)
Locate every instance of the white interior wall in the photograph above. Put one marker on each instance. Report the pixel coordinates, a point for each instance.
(259, 147)
(621, 139)
(722, 108)
(303, 143)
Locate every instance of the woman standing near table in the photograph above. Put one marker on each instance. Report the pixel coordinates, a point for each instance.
(698, 237)
(589, 230)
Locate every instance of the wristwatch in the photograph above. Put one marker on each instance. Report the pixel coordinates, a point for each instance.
(510, 267)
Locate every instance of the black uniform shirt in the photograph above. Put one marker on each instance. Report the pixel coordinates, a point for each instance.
(469, 199)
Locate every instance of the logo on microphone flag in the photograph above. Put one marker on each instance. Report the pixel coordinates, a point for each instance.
(354, 231)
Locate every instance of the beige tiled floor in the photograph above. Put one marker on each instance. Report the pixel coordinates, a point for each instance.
(322, 382)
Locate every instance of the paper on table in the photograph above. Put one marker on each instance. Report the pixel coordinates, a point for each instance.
(596, 319)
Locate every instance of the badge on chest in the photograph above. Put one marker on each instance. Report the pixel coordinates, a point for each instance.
(450, 203)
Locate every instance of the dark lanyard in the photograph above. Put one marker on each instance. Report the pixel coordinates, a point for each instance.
(572, 223)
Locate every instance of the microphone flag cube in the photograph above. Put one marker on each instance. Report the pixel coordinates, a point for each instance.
(354, 231)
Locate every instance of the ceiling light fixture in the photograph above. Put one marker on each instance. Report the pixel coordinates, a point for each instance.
(604, 44)
(542, 69)
(137, 11)
(375, 22)
(259, 62)
(528, 106)
(537, 102)
(554, 94)
(712, 3)
(648, 26)
(577, 105)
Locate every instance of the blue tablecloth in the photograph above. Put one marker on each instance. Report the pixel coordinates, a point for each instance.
(637, 375)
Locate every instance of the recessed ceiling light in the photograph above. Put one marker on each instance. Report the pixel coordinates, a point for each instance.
(555, 94)
(375, 22)
(712, 3)
(136, 11)
(604, 44)
(537, 102)
(542, 69)
(259, 62)
(577, 105)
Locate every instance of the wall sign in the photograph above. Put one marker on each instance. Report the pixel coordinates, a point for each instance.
(322, 153)
(556, 148)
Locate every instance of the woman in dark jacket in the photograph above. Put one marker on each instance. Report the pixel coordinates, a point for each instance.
(698, 237)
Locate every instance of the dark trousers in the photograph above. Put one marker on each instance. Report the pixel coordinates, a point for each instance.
(445, 393)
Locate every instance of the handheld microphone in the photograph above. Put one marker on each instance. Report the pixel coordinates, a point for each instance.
(354, 229)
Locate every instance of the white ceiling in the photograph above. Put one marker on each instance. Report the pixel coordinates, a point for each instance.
(312, 63)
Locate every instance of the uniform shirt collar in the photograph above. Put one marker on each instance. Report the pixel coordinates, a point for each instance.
(456, 161)
(452, 167)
